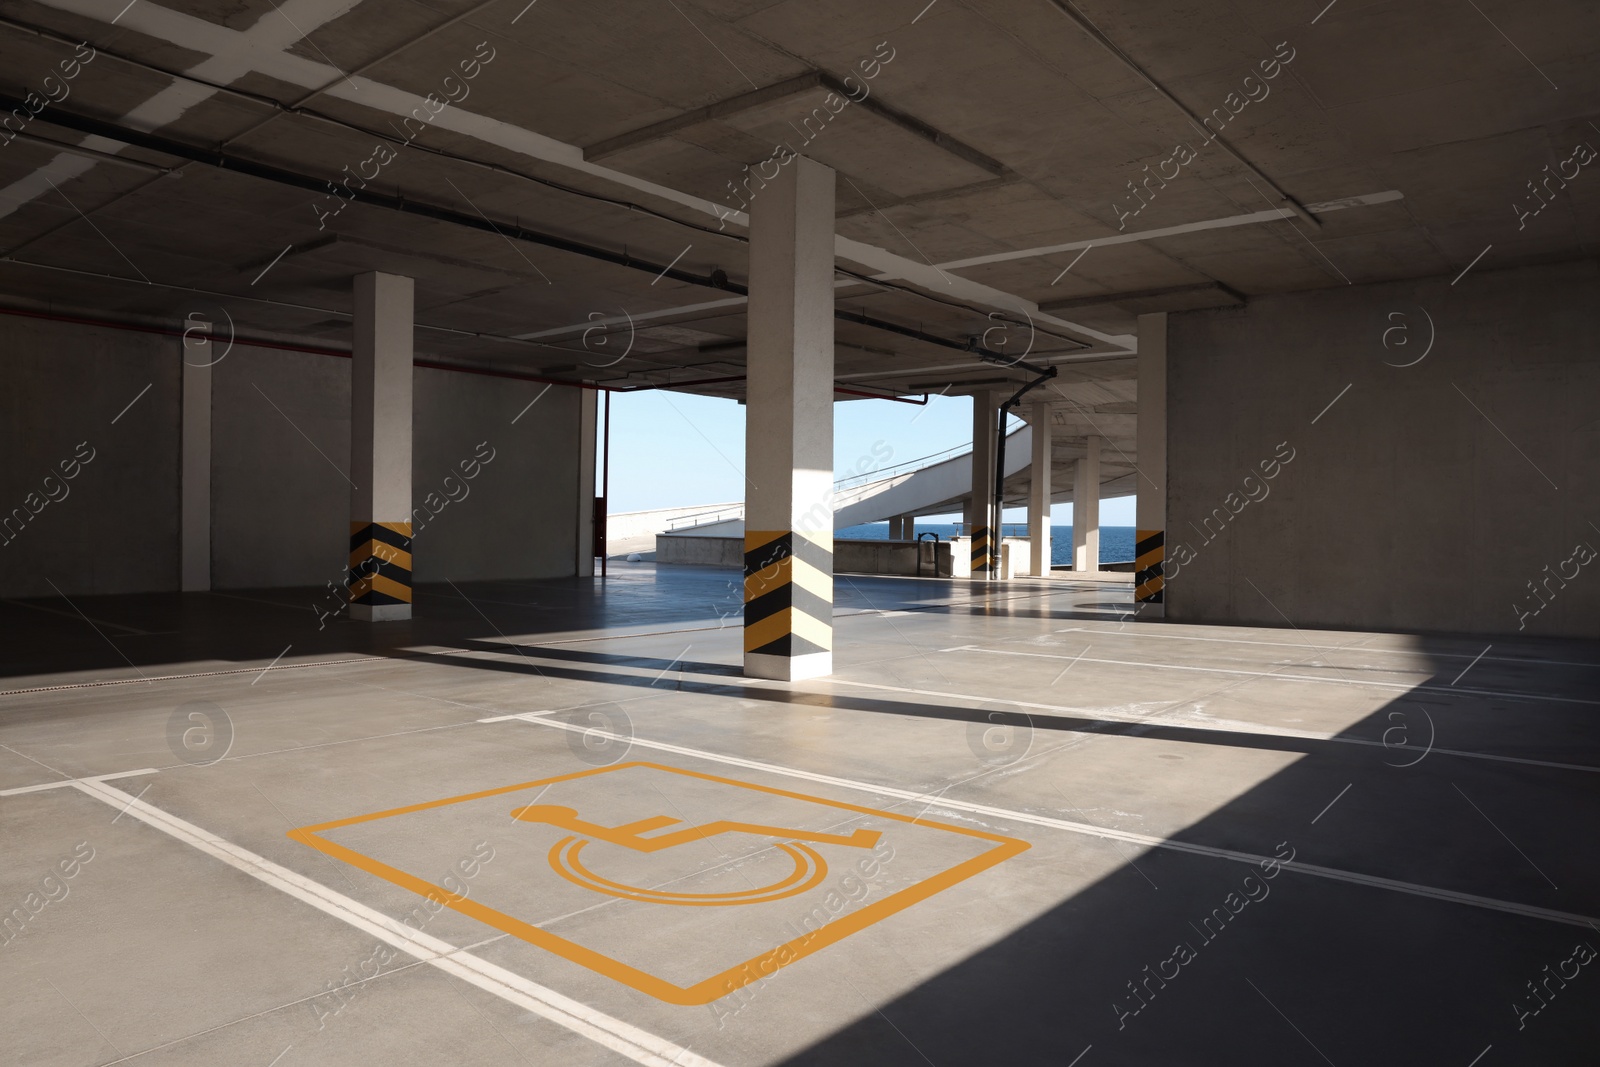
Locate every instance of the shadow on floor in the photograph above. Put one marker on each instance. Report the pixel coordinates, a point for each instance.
(48, 636)
(1177, 958)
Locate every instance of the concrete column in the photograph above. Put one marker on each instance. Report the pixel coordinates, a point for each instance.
(1086, 509)
(380, 449)
(587, 411)
(985, 527)
(1039, 493)
(788, 541)
(1150, 505)
(195, 461)
(903, 528)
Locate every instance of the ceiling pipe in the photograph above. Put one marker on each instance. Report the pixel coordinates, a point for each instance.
(1044, 375)
(277, 107)
(921, 401)
(283, 346)
(91, 153)
(343, 353)
(323, 187)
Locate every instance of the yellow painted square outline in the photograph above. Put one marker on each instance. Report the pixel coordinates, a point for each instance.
(716, 986)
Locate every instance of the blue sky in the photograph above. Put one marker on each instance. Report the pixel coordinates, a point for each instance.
(676, 449)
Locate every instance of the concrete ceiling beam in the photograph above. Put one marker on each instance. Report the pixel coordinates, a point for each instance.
(1171, 298)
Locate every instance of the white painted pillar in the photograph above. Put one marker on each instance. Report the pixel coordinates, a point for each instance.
(788, 541)
(1039, 493)
(1086, 509)
(587, 411)
(380, 449)
(985, 524)
(1150, 506)
(195, 460)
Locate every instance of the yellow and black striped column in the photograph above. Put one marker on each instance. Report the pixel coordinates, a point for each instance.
(982, 548)
(380, 570)
(381, 374)
(788, 603)
(1149, 557)
(788, 518)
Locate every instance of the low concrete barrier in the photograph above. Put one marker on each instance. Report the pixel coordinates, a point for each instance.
(929, 559)
(700, 551)
(850, 557)
(939, 559)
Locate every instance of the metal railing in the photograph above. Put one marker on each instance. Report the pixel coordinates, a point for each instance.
(1007, 529)
(701, 518)
(854, 480)
(911, 465)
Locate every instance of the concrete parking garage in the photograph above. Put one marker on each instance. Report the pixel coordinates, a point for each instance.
(330, 733)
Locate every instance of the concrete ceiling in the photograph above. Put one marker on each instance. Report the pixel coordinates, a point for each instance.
(985, 168)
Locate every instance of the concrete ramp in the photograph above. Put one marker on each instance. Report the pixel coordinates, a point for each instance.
(939, 485)
(635, 531)
(932, 485)
(928, 490)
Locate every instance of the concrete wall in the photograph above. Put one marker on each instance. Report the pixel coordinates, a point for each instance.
(282, 499)
(893, 557)
(280, 460)
(1429, 496)
(113, 526)
(849, 557)
(518, 517)
(700, 550)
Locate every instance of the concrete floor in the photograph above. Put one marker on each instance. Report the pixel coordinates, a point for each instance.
(1431, 805)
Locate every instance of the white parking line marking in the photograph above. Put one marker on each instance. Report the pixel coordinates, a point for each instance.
(614, 1034)
(1409, 687)
(369, 660)
(1225, 726)
(1355, 646)
(141, 793)
(1332, 873)
(74, 781)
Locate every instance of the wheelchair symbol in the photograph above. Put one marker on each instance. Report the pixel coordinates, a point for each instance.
(809, 866)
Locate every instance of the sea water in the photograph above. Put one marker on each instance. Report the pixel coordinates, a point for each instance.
(1116, 542)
